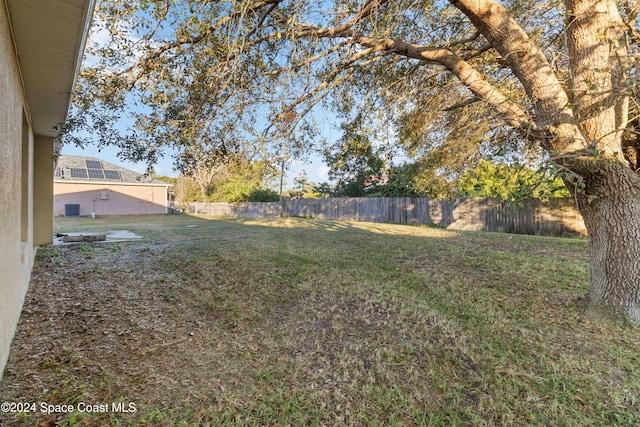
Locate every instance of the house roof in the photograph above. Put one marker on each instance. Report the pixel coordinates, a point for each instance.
(49, 38)
(93, 170)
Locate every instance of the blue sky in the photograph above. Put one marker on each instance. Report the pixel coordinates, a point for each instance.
(313, 166)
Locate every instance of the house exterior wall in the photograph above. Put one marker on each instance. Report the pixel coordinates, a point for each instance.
(43, 198)
(110, 199)
(16, 242)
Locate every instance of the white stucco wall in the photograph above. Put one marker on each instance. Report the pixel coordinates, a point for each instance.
(16, 247)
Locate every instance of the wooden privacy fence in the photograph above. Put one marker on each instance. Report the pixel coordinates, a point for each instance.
(556, 217)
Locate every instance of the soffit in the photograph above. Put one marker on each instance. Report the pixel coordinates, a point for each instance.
(49, 37)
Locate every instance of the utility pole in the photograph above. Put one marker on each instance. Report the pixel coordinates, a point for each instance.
(280, 199)
(283, 158)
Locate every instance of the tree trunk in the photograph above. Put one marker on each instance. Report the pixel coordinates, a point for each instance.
(598, 59)
(610, 206)
(590, 113)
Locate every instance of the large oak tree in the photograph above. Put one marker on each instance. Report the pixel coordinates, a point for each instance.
(559, 76)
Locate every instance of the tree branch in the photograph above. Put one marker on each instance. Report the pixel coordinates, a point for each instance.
(461, 104)
(508, 110)
(146, 62)
(529, 65)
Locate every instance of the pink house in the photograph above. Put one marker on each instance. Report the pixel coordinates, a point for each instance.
(86, 185)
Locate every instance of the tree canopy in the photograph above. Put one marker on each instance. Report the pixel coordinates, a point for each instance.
(246, 74)
(455, 80)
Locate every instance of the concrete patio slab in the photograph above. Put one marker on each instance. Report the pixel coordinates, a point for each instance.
(112, 236)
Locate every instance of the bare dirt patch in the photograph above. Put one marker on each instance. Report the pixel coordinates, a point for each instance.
(96, 328)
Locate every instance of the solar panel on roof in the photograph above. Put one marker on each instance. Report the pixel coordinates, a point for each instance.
(94, 164)
(96, 173)
(111, 174)
(78, 173)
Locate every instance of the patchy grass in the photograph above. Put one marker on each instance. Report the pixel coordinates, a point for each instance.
(304, 322)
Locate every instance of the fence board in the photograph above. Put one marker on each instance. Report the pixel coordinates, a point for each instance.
(555, 217)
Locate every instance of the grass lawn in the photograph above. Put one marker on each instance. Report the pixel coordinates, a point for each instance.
(298, 322)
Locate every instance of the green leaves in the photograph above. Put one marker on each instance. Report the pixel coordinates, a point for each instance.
(353, 158)
(511, 182)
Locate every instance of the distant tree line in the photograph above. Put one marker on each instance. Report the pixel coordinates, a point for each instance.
(228, 178)
(359, 168)
(362, 166)
(488, 179)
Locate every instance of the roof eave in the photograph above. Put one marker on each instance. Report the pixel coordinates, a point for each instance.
(49, 38)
